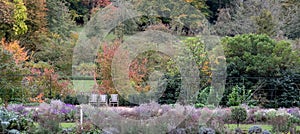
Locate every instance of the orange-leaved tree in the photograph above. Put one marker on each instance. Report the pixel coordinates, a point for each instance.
(46, 81)
(11, 58)
(103, 71)
(19, 53)
(137, 70)
(137, 74)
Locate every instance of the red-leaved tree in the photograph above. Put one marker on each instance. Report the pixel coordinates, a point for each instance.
(137, 70)
(46, 81)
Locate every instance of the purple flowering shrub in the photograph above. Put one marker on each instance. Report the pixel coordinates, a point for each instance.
(48, 116)
(66, 112)
(294, 111)
(144, 111)
(18, 109)
(137, 118)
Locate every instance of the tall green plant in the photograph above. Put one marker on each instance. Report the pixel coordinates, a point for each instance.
(202, 97)
(238, 96)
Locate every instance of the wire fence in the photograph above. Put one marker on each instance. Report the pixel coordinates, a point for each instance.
(262, 88)
(267, 89)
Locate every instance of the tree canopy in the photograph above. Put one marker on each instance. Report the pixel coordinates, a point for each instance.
(260, 40)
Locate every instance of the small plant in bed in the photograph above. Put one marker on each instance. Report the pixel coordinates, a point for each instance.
(238, 114)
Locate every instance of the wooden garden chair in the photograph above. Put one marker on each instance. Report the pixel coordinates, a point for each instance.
(114, 100)
(103, 100)
(93, 100)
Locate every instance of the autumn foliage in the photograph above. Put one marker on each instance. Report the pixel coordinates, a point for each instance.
(104, 71)
(96, 3)
(46, 81)
(19, 53)
(137, 74)
(137, 70)
(38, 99)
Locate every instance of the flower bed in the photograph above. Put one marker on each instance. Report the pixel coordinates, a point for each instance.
(161, 118)
(43, 115)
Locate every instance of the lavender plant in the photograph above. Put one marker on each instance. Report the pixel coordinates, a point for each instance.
(18, 109)
(66, 112)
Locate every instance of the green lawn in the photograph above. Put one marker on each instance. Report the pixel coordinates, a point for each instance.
(247, 126)
(63, 125)
(67, 125)
(230, 126)
(83, 85)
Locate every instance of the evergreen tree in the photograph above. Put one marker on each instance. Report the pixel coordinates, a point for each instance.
(265, 23)
(59, 19)
(37, 25)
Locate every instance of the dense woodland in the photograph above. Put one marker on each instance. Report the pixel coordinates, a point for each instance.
(261, 41)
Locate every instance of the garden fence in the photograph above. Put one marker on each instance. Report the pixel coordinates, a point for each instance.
(263, 88)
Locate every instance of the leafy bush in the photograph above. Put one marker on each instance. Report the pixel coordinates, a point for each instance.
(255, 130)
(286, 91)
(177, 131)
(199, 105)
(48, 124)
(87, 127)
(82, 99)
(234, 97)
(124, 102)
(31, 104)
(238, 114)
(172, 91)
(280, 120)
(10, 70)
(252, 55)
(205, 130)
(202, 97)
(71, 100)
(11, 120)
(46, 81)
(260, 116)
(217, 120)
(238, 96)
(210, 106)
(266, 132)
